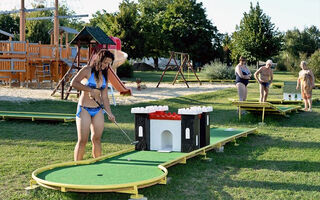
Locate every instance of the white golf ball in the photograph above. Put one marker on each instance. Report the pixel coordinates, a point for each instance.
(128, 159)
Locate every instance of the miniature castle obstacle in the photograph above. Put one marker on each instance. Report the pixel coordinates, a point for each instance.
(163, 131)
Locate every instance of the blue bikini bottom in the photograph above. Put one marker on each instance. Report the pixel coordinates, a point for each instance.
(265, 84)
(91, 111)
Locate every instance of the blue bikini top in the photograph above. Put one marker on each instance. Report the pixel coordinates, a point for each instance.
(92, 82)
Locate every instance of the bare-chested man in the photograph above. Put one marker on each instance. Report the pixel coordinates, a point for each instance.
(265, 79)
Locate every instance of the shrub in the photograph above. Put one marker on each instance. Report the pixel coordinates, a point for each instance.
(218, 70)
(281, 66)
(125, 70)
(314, 63)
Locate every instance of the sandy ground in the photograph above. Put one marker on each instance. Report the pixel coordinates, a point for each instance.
(151, 93)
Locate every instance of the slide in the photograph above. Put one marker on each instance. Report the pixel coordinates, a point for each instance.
(117, 84)
(119, 58)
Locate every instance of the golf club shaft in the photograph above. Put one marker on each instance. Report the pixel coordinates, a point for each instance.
(114, 121)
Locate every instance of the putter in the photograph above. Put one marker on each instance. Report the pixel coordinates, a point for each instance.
(131, 141)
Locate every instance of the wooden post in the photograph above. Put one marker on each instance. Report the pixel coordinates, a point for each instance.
(22, 22)
(56, 24)
(56, 40)
(61, 40)
(62, 90)
(67, 39)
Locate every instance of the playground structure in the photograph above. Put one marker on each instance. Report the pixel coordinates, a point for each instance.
(55, 62)
(265, 107)
(95, 39)
(24, 61)
(184, 63)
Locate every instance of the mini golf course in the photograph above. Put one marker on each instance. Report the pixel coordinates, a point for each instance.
(125, 171)
(38, 116)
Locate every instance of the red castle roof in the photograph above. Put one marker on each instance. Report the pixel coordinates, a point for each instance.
(161, 115)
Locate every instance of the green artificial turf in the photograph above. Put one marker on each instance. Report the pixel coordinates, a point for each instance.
(30, 115)
(126, 168)
(281, 162)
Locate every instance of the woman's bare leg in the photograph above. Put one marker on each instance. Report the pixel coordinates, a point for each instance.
(245, 93)
(83, 129)
(97, 127)
(242, 91)
(305, 104)
(310, 103)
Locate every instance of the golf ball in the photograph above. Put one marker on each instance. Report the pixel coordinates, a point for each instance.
(128, 159)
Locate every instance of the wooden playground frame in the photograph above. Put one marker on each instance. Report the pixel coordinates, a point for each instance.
(20, 60)
(24, 61)
(185, 61)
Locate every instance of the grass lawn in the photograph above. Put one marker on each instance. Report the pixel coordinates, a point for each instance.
(281, 162)
(154, 76)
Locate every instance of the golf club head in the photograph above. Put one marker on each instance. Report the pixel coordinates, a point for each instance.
(134, 142)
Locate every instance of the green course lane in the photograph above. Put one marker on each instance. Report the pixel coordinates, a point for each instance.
(37, 116)
(124, 169)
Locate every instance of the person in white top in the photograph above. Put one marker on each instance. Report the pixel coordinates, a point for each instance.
(306, 83)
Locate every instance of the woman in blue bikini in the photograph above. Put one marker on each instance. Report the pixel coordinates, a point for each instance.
(92, 80)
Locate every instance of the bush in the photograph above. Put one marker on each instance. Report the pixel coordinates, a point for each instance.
(218, 70)
(125, 70)
(281, 66)
(314, 64)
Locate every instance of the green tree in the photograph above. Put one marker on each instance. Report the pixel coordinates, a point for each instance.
(37, 30)
(256, 37)
(302, 42)
(124, 25)
(188, 30)
(156, 42)
(314, 63)
(226, 43)
(9, 24)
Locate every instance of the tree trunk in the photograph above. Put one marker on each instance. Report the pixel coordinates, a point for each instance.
(156, 63)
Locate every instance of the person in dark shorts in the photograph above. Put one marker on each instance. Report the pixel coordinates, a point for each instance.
(264, 76)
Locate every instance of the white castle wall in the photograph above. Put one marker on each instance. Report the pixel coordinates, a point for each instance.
(159, 127)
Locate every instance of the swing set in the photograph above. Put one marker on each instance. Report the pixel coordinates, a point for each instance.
(185, 63)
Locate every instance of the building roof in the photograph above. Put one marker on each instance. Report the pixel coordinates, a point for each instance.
(87, 34)
(64, 29)
(6, 33)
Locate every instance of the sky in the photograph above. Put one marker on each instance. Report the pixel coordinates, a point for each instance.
(224, 14)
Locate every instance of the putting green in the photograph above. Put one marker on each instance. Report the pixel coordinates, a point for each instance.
(285, 108)
(37, 116)
(126, 168)
(125, 171)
